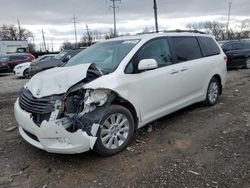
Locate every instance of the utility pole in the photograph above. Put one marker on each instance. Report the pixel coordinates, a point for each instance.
(52, 46)
(156, 19)
(228, 17)
(19, 29)
(114, 7)
(44, 43)
(88, 35)
(74, 21)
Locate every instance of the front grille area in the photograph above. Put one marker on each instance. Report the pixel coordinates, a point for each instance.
(33, 105)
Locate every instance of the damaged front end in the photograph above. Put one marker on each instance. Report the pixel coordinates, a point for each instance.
(63, 123)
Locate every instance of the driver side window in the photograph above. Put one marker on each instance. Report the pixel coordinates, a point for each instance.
(157, 49)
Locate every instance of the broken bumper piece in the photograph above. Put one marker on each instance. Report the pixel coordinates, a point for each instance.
(50, 136)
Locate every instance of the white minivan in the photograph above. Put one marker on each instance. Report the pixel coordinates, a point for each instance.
(106, 92)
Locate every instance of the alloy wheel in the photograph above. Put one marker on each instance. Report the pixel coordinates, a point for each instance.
(213, 91)
(114, 131)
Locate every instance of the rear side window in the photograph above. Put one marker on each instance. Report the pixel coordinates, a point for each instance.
(18, 58)
(186, 48)
(237, 46)
(209, 46)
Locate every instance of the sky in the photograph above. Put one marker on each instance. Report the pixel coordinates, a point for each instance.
(55, 17)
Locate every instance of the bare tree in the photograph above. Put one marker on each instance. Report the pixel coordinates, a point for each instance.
(10, 32)
(214, 28)
(32, 48)
(66, 45)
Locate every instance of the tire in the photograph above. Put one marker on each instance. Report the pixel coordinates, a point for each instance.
(26, 73)
(114, 134)
(247, 66)
(213, 92)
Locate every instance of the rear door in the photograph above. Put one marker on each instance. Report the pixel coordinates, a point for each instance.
(238, 55)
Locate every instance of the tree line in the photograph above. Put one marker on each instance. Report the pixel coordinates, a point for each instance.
(218, 29)
(221, 31)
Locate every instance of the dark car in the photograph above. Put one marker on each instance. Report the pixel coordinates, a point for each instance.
(56, 61)
(8, 62)
(238, 53)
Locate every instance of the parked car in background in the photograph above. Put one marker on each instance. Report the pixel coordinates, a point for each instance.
(8, 62)
(23, 70)
(106, 92)
(238, 53)
(56, 61)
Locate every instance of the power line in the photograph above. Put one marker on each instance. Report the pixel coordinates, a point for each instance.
(156, 18)
(114, 7)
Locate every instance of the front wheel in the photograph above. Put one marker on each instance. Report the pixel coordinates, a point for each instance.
(26, 73)
(248, 63)
(213, 92)
(115, 132)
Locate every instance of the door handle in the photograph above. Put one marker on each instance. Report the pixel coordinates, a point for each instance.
(184, 69)
(174, 72)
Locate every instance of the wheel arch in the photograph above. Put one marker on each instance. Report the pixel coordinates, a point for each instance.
(125, 103)
(26, 69)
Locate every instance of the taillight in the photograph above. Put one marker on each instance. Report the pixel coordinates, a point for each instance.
(225, 58)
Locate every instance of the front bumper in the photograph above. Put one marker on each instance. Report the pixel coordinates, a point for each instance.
(50, 136)
(18, 72)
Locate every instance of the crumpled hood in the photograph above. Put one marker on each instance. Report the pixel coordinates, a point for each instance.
(57, 80)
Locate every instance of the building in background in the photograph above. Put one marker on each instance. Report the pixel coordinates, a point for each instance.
(12, 46)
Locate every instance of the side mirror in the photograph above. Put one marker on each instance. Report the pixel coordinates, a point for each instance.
(66, 59)
(147, 64)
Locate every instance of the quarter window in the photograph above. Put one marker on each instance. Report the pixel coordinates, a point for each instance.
(209, 46)
(186, 48)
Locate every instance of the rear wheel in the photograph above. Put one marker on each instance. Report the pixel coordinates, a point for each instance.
(115, 132)
(248, 63)
(213, 92)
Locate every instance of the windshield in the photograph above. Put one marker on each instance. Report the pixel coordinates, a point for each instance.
(60, 55)
(4, 59)
(106, 55)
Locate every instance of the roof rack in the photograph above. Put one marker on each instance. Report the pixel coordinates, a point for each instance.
(174, 31)
(188, 31)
